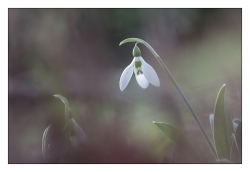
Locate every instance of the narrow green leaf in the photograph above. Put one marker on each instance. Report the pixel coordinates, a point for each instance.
(177, 138)
(223, 126)
(44, 141)
(229, 122)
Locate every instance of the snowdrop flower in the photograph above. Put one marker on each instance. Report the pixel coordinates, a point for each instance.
(77, 135)
(144, 73)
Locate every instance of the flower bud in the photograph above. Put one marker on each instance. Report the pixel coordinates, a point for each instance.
(136, 52)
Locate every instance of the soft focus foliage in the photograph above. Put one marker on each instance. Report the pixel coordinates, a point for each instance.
(224, 129)
(76, 53)
(223, 126)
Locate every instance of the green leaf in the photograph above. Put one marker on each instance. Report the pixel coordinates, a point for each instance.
(44, 141)
(223, 126)
(177, 138)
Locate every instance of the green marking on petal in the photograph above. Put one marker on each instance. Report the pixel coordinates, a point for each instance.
(137, 64)
(139, 72)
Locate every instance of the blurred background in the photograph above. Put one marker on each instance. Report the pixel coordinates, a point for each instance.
(76, 53)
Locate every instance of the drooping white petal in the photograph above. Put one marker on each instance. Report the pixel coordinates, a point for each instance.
(142, 81)
(79, 136)
(150, 73)
(126, 76)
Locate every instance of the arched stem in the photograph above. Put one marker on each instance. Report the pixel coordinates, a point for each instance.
(137, 40)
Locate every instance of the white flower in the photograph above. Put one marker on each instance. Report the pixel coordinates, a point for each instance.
(144, 73)
(77, 135)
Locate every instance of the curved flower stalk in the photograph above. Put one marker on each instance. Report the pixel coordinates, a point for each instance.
(137, 41)
(144, 73)
(66, 104)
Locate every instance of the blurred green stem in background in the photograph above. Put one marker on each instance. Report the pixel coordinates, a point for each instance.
(67, 109)
(137, 40)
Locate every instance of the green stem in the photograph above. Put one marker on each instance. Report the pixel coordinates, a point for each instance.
(137, 40)
(188, 105)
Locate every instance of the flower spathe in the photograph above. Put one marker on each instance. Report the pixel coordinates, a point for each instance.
(144, 74)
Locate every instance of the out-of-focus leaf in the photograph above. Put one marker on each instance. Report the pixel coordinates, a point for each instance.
(65, 101)
(44, 141)
(229, 122)
(223, 126)
(177, 138)
(67, 109)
